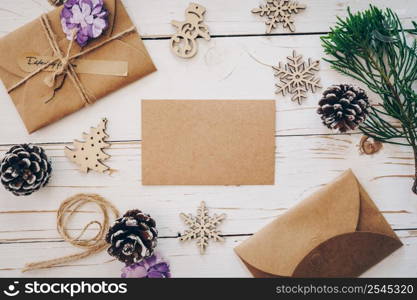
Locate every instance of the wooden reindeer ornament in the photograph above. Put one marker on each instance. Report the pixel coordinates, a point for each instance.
(89, 155)
(184, 43)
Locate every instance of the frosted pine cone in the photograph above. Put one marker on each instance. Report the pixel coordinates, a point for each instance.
(343, 107)
(133, 237)
(25, 169)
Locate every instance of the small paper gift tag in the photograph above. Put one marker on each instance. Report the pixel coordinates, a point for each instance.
(30, 62)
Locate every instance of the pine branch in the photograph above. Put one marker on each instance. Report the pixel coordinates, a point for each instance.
(373, 48)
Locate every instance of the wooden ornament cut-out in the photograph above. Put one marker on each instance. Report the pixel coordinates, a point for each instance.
(184, 43)
(296, 77)
(279, 11)
(369, 147)
(202, 227)
(89, 155)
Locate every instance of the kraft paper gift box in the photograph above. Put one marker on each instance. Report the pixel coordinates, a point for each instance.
(119, 51)
(336, 232)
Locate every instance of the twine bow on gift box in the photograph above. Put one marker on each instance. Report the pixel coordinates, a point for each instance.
(64, 60)
(64, 68)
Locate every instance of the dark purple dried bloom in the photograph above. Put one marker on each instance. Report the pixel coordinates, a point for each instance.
(151, 267)
(87, 18)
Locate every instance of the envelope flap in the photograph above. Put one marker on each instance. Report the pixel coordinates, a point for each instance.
(347, 255)
(280, 246)
(370, 218)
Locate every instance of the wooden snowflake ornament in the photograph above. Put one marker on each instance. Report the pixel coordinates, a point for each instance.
(89, 155)
(202, 227)
(296, 78)
(279, 11)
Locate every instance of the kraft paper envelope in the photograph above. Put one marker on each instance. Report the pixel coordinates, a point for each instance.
(208, 142)
(29, 98)
(336, 232)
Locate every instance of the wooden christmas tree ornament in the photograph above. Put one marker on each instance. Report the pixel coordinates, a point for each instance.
(89, 155)
(184, 43)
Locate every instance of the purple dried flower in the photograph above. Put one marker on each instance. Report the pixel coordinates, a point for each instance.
(151, 267)
(88, 18)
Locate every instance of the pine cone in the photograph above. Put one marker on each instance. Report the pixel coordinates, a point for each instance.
(25, 169)
(343, 107)
(133, 237)
(56, 2)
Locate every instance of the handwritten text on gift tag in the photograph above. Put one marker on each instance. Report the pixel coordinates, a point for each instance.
(30, 62)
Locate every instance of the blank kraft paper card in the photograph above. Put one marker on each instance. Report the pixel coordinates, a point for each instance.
(208, 142)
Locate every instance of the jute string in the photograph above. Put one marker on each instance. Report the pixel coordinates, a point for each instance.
(65, 60)
(93, 245)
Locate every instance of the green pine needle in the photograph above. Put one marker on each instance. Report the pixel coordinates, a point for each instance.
(372, 47)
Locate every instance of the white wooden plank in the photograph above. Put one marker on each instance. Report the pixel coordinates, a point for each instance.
(222, 69)
(386, 176)
(184, 258)
(153, 18)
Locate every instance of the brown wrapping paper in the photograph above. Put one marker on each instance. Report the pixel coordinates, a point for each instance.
(336, 232)
(29, 98)
(208, 142)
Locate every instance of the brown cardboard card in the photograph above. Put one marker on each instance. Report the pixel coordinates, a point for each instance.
(336, 232)
(208, 142)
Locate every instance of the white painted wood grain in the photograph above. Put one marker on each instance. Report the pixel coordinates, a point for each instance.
(303, 164)
(184, 258)
(308, 155)
(224, 17)
(222, 69)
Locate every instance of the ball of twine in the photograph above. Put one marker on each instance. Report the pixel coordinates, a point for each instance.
(93, 245)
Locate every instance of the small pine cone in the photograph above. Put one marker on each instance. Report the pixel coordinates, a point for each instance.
(25, 169)
(343, 107)
(56, 2)
(133, 237)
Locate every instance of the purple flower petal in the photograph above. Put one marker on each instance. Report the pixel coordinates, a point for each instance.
(151, 267)
(70, 3)
(97, 3)
(96, 10)
(89, 30)
(86, 2)
(155, 274)
(86, 9)
(152, 260)
(82, 39)
(98, 27)
(138, 272)
(66, 13)
(102, 14)
(87, 17)
(161, 267)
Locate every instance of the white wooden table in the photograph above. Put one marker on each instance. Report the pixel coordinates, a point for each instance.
(308, 155)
